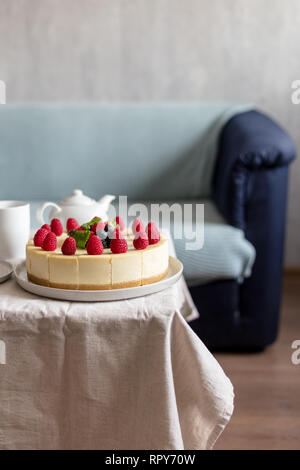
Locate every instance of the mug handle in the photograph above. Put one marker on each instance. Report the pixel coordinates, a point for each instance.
(41, 209)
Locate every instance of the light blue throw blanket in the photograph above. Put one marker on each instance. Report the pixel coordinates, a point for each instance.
(148, 151)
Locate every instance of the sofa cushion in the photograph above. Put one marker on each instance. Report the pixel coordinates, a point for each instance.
(226, 254)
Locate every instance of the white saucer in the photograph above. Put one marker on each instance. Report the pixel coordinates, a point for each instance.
(174, 273)
(5, 271)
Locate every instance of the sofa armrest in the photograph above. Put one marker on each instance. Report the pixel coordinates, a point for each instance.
(250, 190)
(249, 142)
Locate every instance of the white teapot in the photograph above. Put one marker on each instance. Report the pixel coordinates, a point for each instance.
(77, 205)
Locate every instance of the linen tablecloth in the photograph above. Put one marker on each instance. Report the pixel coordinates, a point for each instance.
(112, 375)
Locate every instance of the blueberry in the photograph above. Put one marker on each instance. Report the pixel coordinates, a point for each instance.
(108, 228)
(102, 234)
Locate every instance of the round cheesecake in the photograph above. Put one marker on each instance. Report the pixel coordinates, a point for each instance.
(93, 272)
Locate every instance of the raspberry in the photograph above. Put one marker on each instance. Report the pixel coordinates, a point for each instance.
(118, 244)
(141, 242)
(50, 242)
(153, 233)
(98, 226)
(120, 222)
(137, 226)
(56, 227)
(69, 246)
(40, 236)
(72, 224)
(46, 227)
(94, 246)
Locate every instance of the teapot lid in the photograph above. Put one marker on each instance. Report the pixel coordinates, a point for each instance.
(77, 198)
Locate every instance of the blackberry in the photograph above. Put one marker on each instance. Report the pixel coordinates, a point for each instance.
(106, 242)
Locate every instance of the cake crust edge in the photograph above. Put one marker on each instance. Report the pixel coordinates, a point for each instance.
(121, 285)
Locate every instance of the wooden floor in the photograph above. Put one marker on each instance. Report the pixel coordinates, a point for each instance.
(267, 387)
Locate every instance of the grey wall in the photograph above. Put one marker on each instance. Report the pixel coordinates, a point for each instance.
(244, 50)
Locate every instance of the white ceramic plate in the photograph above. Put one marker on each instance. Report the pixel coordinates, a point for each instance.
(174, 273)
(5, 271)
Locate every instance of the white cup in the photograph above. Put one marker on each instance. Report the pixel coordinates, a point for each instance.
(14, 228)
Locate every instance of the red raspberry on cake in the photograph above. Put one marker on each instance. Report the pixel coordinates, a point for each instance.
(40, 236)
(118, 244)
(137, 226)
(50, 242)
(153, 233)
(69, 246)
(98, 226)
(46, 227)
(72, 224)
(94, 246)
(141, 241)
(56, 227)
(120, 222)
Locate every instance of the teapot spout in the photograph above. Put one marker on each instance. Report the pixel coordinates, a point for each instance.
(106, 200)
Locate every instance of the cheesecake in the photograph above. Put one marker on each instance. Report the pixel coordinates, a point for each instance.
(108, 270)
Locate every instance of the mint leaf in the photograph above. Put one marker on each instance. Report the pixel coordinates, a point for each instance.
(81, 237)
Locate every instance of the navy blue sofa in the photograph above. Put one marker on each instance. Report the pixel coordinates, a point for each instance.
(250, 190)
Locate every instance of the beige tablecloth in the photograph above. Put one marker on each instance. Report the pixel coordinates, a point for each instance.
(113, 375)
